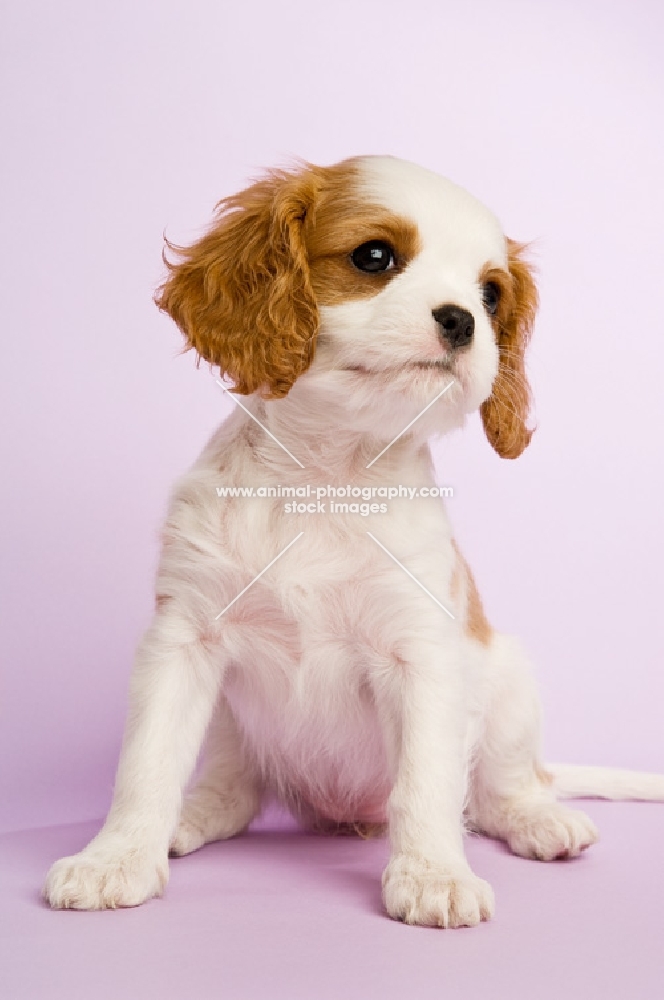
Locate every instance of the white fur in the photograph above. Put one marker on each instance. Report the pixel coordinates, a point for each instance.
(335, 683)
(572, 781)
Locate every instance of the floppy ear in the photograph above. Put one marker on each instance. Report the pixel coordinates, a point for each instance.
(505, 412)
(241, 295)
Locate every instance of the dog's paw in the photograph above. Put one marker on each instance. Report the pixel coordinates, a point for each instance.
(419, 892)
(105, 879)
(187, 838)
(549, 830)
(208, 815)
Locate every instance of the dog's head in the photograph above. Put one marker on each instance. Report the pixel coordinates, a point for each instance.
(374, 281)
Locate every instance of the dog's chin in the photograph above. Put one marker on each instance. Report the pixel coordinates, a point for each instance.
(435, 396)
(420, 380)
(444, 393)
(431, 392)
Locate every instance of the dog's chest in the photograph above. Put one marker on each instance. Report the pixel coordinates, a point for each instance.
(301, 683)
(306, 710)
(306, 643)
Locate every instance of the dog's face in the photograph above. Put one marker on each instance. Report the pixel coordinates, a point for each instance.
(374, 282)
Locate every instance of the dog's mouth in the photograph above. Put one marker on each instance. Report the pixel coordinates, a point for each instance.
(432, 365)
(439, 364)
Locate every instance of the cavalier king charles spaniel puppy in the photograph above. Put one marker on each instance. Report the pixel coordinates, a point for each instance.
(340, 662)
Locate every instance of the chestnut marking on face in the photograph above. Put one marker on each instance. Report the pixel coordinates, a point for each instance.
(355, 247)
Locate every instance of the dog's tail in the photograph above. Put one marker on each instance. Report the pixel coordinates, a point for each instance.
(574, 782)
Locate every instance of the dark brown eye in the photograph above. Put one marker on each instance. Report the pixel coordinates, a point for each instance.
(374, 256)
(491, 297)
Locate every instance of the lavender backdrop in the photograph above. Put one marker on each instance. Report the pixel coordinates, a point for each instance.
(123, 119)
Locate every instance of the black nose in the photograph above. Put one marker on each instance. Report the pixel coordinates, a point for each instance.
(456, 325)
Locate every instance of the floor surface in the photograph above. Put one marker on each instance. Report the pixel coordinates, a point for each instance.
(279, 913)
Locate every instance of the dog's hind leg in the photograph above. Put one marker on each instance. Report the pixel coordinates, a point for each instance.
(512, 796)
(227, 794)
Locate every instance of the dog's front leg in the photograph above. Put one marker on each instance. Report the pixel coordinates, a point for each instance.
(428, 880)
(173, 688)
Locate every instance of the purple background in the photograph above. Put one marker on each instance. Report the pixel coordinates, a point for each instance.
(278, 915)
(120, 120)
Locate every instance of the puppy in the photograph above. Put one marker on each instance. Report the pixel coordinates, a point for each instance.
(339, 660)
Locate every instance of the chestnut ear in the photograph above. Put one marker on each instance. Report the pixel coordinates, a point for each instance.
(505, 413)
(242, 295)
